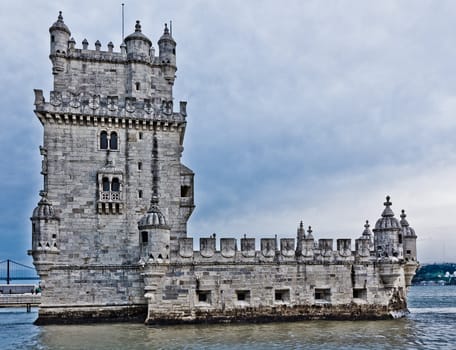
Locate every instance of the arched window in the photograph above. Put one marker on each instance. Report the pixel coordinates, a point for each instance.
(115, 185)
(113, 140)
(104, 140)
(105, 184)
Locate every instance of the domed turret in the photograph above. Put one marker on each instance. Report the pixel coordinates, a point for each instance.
(153, 229)
(138, 45)
(367, 234)
(154, 234)
(44, 210)
(45, 226)
(167, 48)
(388, 234)
(60, 35)
(409, 237)
(45, 235)
(154, 218)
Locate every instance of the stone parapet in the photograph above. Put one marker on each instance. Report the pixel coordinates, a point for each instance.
(85, 104)
(271, 250)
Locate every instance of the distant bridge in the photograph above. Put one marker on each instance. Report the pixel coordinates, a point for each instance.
(14, 271)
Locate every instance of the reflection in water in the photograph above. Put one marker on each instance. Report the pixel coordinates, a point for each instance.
(317, 334)
(431, 325)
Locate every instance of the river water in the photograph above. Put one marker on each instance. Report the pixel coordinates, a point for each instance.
(430, 325)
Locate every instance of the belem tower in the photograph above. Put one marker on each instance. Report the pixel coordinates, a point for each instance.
(109, 235)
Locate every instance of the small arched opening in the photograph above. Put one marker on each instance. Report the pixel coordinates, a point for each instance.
(103, 140)
(113, 144)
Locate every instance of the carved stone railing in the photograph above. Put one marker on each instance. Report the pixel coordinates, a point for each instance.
(110, 196)
(83, 103)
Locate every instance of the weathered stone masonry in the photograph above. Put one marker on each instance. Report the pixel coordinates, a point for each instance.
(109, 235)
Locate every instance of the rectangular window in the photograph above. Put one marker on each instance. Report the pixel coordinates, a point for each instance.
(408, 251)
(185, 191)
(144, 237)
(139, 166)
(243, 295)
(140, 194)
(322, 294)
(140, 135)
(282, 295)
(203, 296)
(360, 293)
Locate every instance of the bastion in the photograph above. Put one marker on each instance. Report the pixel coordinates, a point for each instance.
(109, 235)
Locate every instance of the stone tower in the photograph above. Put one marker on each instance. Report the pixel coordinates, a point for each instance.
(109, 235)
(108, 115)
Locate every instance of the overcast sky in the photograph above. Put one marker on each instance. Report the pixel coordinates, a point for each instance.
(298, 110)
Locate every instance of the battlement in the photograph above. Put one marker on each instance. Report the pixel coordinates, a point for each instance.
(272, 250)
(82, 103)
(109, 56)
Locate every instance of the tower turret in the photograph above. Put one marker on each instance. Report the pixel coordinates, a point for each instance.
(153, 228)
(167, 55)
(60, 35)
(45, 235)
(367, 235)
(388, 234)
(138, 45)
(409, 238)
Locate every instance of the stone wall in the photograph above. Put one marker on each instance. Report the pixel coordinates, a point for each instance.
(216, 292)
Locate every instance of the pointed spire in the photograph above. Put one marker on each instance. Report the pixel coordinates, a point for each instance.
(166, 31)
(60, 17)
